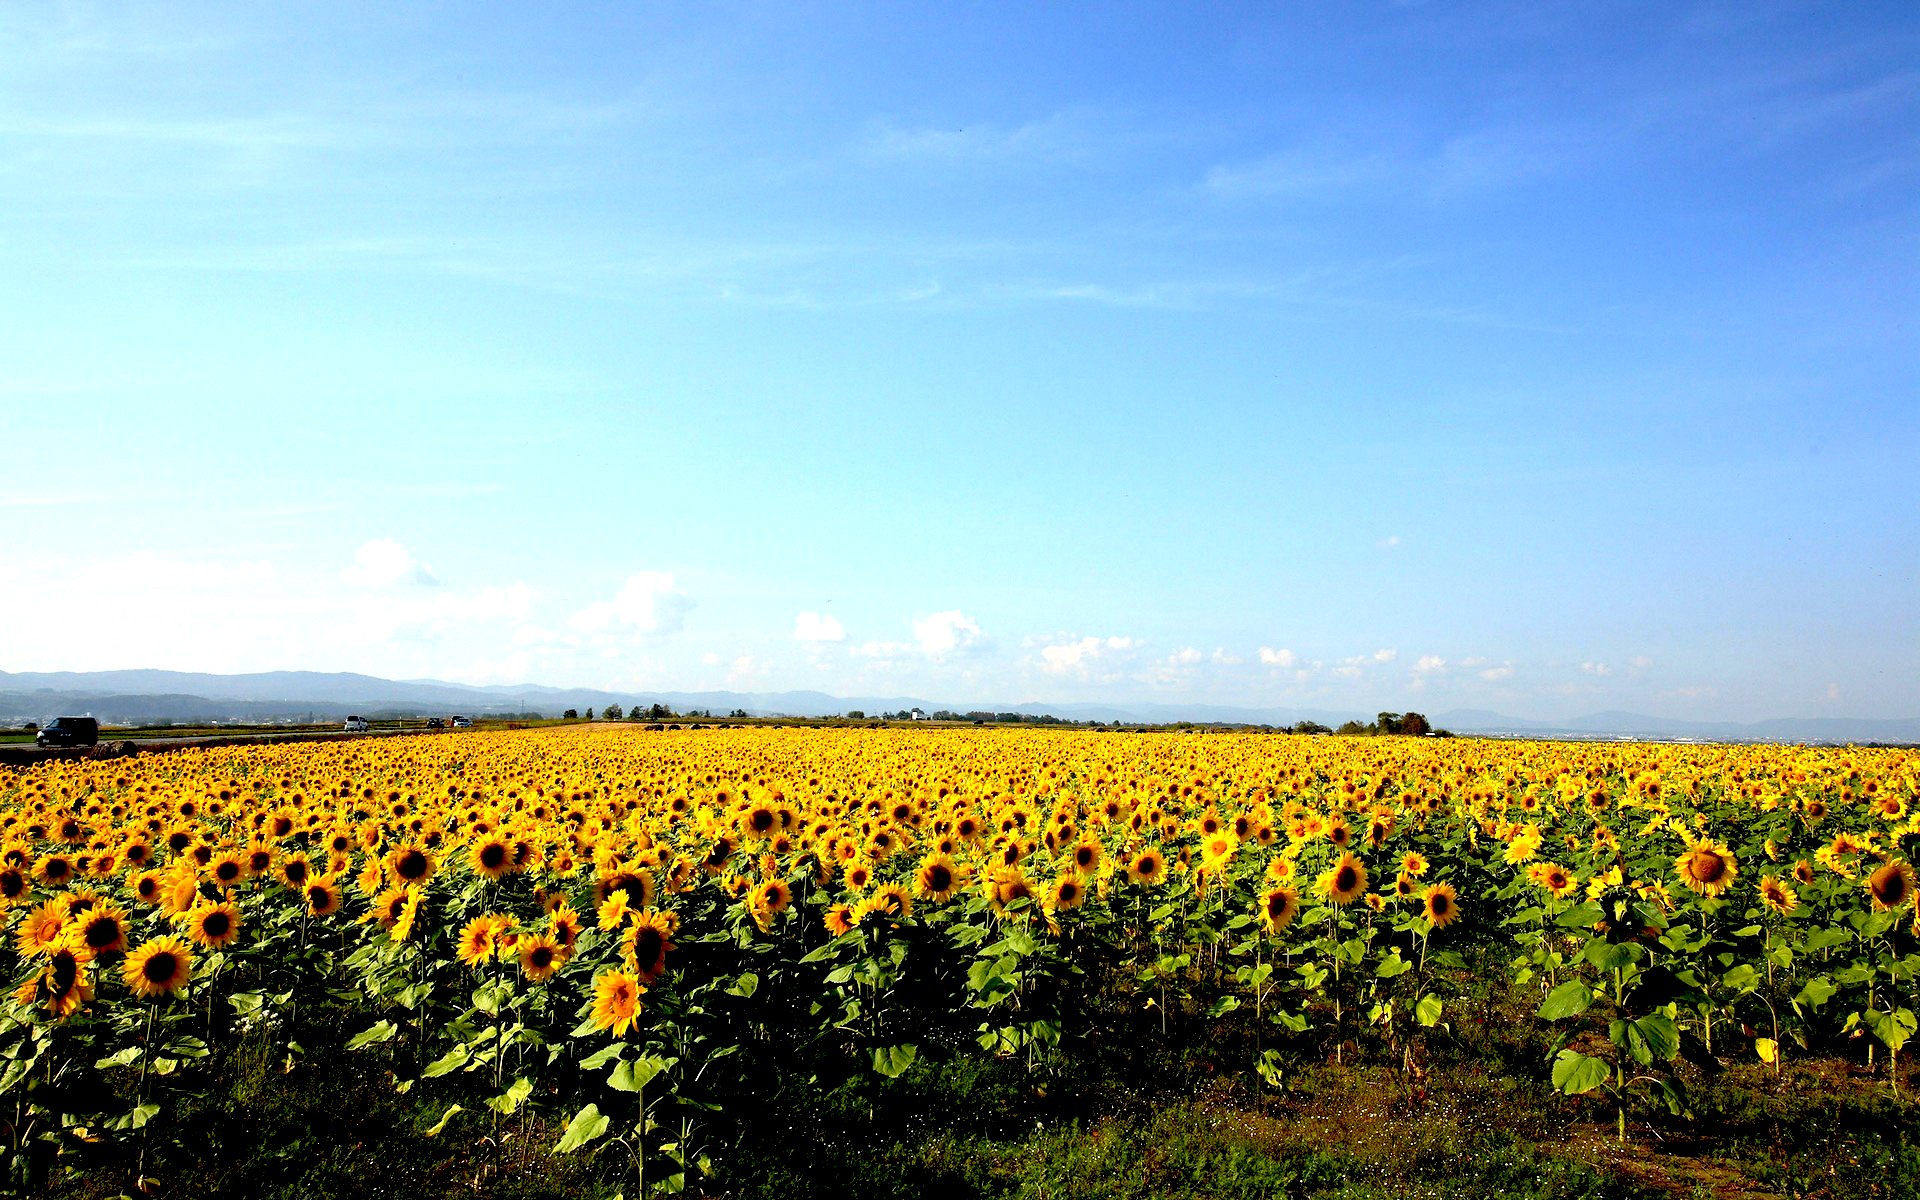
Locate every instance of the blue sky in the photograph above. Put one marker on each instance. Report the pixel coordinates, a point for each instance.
(1544, 359)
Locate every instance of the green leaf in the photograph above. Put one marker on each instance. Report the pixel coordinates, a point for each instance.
(600, 1058)
(1575, 1073)
(382, 1032)
(1392, 966)
(1662, 1035)
(1570, 999)
(139, 1117)
(1579, 916)
(587, 1124)
(1816, 992)
(1427, 1011)
(746, 984)
(1742, 978)
(892, 1061)
(452, 1060)
(1223, 1006)
(122, 1058)
(442, 1122)
(508, 1102)
(1611, 956)
(632, 1076)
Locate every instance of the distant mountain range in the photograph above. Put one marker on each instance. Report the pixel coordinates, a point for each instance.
(139, 697)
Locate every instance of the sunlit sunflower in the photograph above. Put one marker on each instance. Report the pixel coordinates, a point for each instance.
(772, 897)
(1087, 855)
(1890, 885)
(1707, 867)
(1777, 895)
(939, 878)
(411, 864)
(15, 885)
(1278, 907)
(227, 869)
(490, 857)
(1065, 893)
(616, 1002)
(540, 957)
(840, 919)
(40, 931)
(214, 926)
(1442, 905)
(1803, 872)
(1413, 863)
(161, 966)
(564, 924)
(1344, 881)
(1148, 867)
(322, 896)
(645, 945)
(102, 929)
(480, 939)
(65, 979)
(1006, 887)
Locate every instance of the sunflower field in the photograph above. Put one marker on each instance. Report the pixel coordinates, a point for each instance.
(601, 941)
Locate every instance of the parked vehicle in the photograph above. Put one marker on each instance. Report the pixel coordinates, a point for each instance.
(356, 725)
(463, 723)
(435, 723)
(69, 731)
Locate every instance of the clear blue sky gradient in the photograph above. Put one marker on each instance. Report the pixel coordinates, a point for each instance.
(1571, 350)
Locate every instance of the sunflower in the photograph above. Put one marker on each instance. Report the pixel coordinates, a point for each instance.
(1777, 895)
(411, 864)
(637, 885)
(1405, 886)
(1891, 885)
(840, 919)
(1803, 872)
(480, 940)
(1007, 886)
(857, 876)
(1442, 906)
(1414, 863)
(66, 979)
(540, 957)
(323, 896)
(1086, 856)
(103, 929)
(939, 878)
(15, 885)
(893, 899)
(228, 869)
(1344, 881)
(645, 945)
(490, 857)
(1278, 907)
(41, 930)
(409, 913)
(214, 926)
(772, 897)
(1707, 868)
(1148, 867)
(54, 870)
(1066, 892)
(161, 966)
(564, 924)
(616, 1001)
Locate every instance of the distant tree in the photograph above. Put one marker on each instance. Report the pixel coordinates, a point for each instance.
(854, 714)
(738, 714)
(589, 714)
(572, 714)
(614, 712)
(658, 711)
(1387, 723)
(1414, 725)
(1351, 728)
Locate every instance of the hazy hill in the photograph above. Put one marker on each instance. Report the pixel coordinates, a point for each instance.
(132, 697)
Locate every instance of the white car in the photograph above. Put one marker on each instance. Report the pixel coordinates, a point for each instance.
(461, 722)
(356, 725)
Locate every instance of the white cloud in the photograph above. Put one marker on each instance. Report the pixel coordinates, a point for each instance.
(1388, 542)
(1186, 656)
(1278, 658)
(1496, 674)
(881, 649)
(1430, 664)
(945, 633)
(1641, 662)
(1471, 663)
(818, 627)
(747, 669)
(1385, 656)
(1224, 659)
(649, 603)
(383, 563)
(1832, 694)
(1596, 668)
(1080, 655)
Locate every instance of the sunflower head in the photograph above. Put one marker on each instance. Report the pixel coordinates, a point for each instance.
(160, 967)
(1707, 867)
(1442, 905)
(1890, 885)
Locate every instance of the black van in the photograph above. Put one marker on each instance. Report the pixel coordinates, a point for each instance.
(69, 731)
